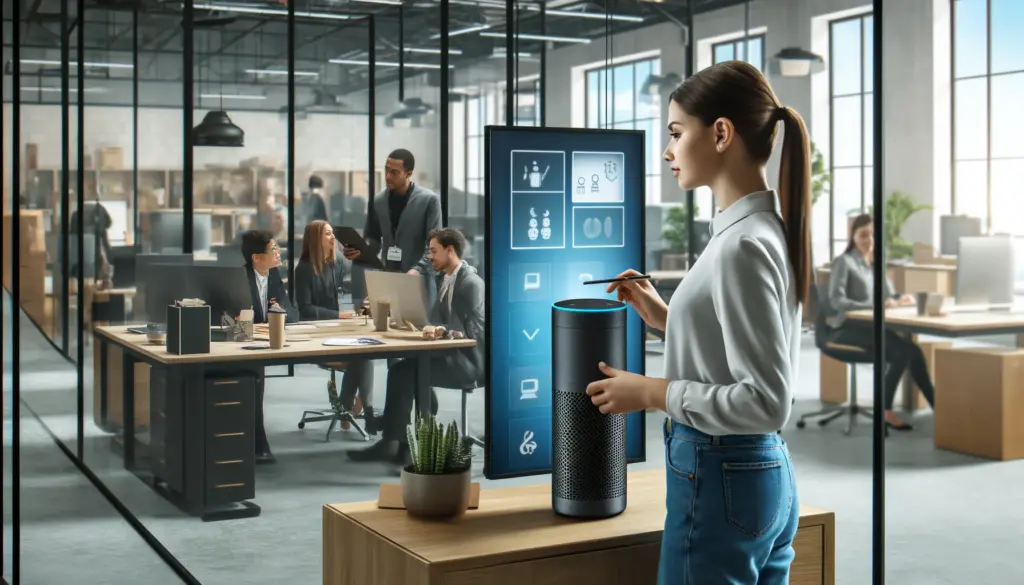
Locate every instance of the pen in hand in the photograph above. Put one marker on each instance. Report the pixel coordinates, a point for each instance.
(623, 279)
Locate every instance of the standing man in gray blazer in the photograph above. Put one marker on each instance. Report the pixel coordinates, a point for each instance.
(459, 307)
(399, 218)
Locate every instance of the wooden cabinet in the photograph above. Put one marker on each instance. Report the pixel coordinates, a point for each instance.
(515, 538)
(979, 393)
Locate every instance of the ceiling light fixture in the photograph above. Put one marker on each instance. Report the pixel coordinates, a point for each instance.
(463, 31)
(70, 89)
(75, 63)
(591, 15)
(272, 11)
(797, 62)
(387, 64)
(217, 129)
(282, 72)
(530, 37)
(503, 53)
(231, 96)
(388, 2)
(431, 51)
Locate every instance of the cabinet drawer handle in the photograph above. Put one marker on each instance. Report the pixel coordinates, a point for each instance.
(228, 462)
(228, 485)
(235, 403)
(218, 435)
(224, 382)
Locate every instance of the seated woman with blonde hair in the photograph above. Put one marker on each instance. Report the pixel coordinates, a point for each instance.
(318, 277)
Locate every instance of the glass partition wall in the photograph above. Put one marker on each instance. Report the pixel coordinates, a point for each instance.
(153, 136)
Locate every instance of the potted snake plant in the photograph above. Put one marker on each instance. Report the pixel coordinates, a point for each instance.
(436, 484)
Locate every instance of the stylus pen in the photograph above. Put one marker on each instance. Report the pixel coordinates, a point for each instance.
(623, 279)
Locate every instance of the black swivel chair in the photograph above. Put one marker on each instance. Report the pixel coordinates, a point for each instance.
(844, 353)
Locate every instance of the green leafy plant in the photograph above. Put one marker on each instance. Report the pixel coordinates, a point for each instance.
(821, 179)
(899, 208)
(437, 449)
(677, 228)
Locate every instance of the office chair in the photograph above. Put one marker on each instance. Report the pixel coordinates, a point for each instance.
(844, 353)
(335, 413)
(464, 419)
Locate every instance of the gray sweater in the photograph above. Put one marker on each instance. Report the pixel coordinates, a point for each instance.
(733, 327)
(851, 286)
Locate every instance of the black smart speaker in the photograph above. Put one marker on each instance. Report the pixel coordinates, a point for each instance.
(588, 476)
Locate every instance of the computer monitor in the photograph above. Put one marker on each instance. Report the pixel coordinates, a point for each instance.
(985, 271)
(404, 292)
(122, 259)
(166, 229)
(164, 284)
(954, 227)
(224, 288)
(149, 303)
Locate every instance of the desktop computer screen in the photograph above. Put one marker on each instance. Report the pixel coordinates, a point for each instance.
(224, 288)
(564, 206)
(985, 271)
(151, 280)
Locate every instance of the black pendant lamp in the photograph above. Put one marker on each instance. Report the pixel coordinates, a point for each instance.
(217, 129)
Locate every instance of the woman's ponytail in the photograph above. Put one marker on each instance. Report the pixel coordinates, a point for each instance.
(795, 196)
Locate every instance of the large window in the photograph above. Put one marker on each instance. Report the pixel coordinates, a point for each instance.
(614, 99)
(752, 52)
(988, 74)
(850, 115)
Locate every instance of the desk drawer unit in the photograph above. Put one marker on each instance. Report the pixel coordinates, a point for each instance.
(230, 407)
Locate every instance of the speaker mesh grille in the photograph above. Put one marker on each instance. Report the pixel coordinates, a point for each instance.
(589, 450)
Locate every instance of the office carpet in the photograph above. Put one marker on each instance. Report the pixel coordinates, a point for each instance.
(951, 519)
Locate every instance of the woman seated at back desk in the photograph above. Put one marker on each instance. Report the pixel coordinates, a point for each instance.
(851, 288)
(317, 278)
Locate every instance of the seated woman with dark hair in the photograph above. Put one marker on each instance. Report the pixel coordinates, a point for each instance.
(318, 276)
(851, 288)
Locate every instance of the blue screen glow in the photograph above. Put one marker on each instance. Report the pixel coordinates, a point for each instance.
(563, 206)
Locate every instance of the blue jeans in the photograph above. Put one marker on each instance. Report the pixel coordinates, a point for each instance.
(732, 509)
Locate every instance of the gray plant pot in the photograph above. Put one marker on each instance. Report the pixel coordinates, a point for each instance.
(444, 495)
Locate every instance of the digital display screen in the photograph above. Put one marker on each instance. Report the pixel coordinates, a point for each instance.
(564, 206)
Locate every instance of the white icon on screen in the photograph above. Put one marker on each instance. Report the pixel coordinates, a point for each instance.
(528, 389)
(611, 170)
(529, 335)
(531, 281)
(544, 233)
(534, 176)
(528, 446)
(584, 277)
(592, 227)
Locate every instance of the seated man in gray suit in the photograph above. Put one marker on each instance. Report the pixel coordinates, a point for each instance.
(459, 307)
(399, 218)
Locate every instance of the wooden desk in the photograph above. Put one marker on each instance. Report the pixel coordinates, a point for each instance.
(515, 538)
(197, 446)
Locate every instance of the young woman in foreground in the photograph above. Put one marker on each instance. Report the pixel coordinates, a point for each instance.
(732, 336)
